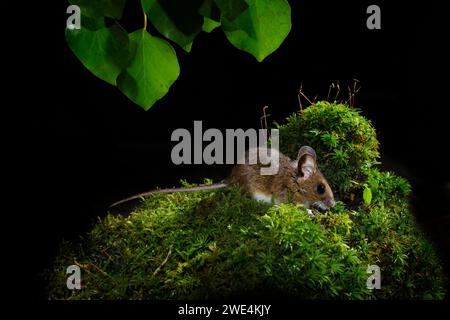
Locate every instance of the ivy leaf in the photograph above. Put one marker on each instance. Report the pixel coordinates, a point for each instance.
(367, 196)
(231, 9)
(152, 69)
(261, 28)
(92, 23)
(104, 51)
(101, 8)
(209, 9)
(147, 4)
(176, 20)
(211, 15)
(209, 24)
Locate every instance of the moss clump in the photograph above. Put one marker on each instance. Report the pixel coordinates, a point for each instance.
(345, 142)
(387, 235)
(222, 244)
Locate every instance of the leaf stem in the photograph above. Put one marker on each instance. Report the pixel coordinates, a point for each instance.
(145, 21)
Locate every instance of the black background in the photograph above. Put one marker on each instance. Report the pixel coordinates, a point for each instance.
(88, 145)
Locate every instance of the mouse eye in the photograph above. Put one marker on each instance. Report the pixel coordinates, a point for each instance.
(320, 189)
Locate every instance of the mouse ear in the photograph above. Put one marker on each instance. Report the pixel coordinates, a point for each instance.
(306, 150)
(306, 166)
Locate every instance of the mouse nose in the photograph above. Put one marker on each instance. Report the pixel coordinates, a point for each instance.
(330, 203)
(319, 206)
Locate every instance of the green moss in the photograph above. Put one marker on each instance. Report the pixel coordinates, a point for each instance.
(223, 244)
(345, 142)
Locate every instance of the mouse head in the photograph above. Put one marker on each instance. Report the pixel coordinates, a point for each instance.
(313, 189)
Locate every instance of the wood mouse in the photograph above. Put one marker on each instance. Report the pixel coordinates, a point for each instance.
(299, 181)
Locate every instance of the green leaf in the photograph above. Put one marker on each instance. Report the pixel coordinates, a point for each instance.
(92, 23)
(261, 28)
(231, 9)
(367, 196)
(209, 9)
(209, 24)
(147, 4)
(178, 21)
(152, 70)
(104, 51)
(101, 8)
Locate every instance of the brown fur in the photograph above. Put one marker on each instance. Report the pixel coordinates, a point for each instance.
(289, 184)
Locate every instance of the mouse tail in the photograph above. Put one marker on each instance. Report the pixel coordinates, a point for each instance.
(214, 186)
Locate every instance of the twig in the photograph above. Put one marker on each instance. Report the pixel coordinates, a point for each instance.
(351, 99)
(107, 254)
(355, 81)
(338, 90)
(86, 268)
(350, 95)
(299, 97)
(329, 90)
(165, 261)
(265, 126)
(304, 96)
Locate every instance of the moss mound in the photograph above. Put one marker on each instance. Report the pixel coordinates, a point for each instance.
(345, 142)
(222, 244)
